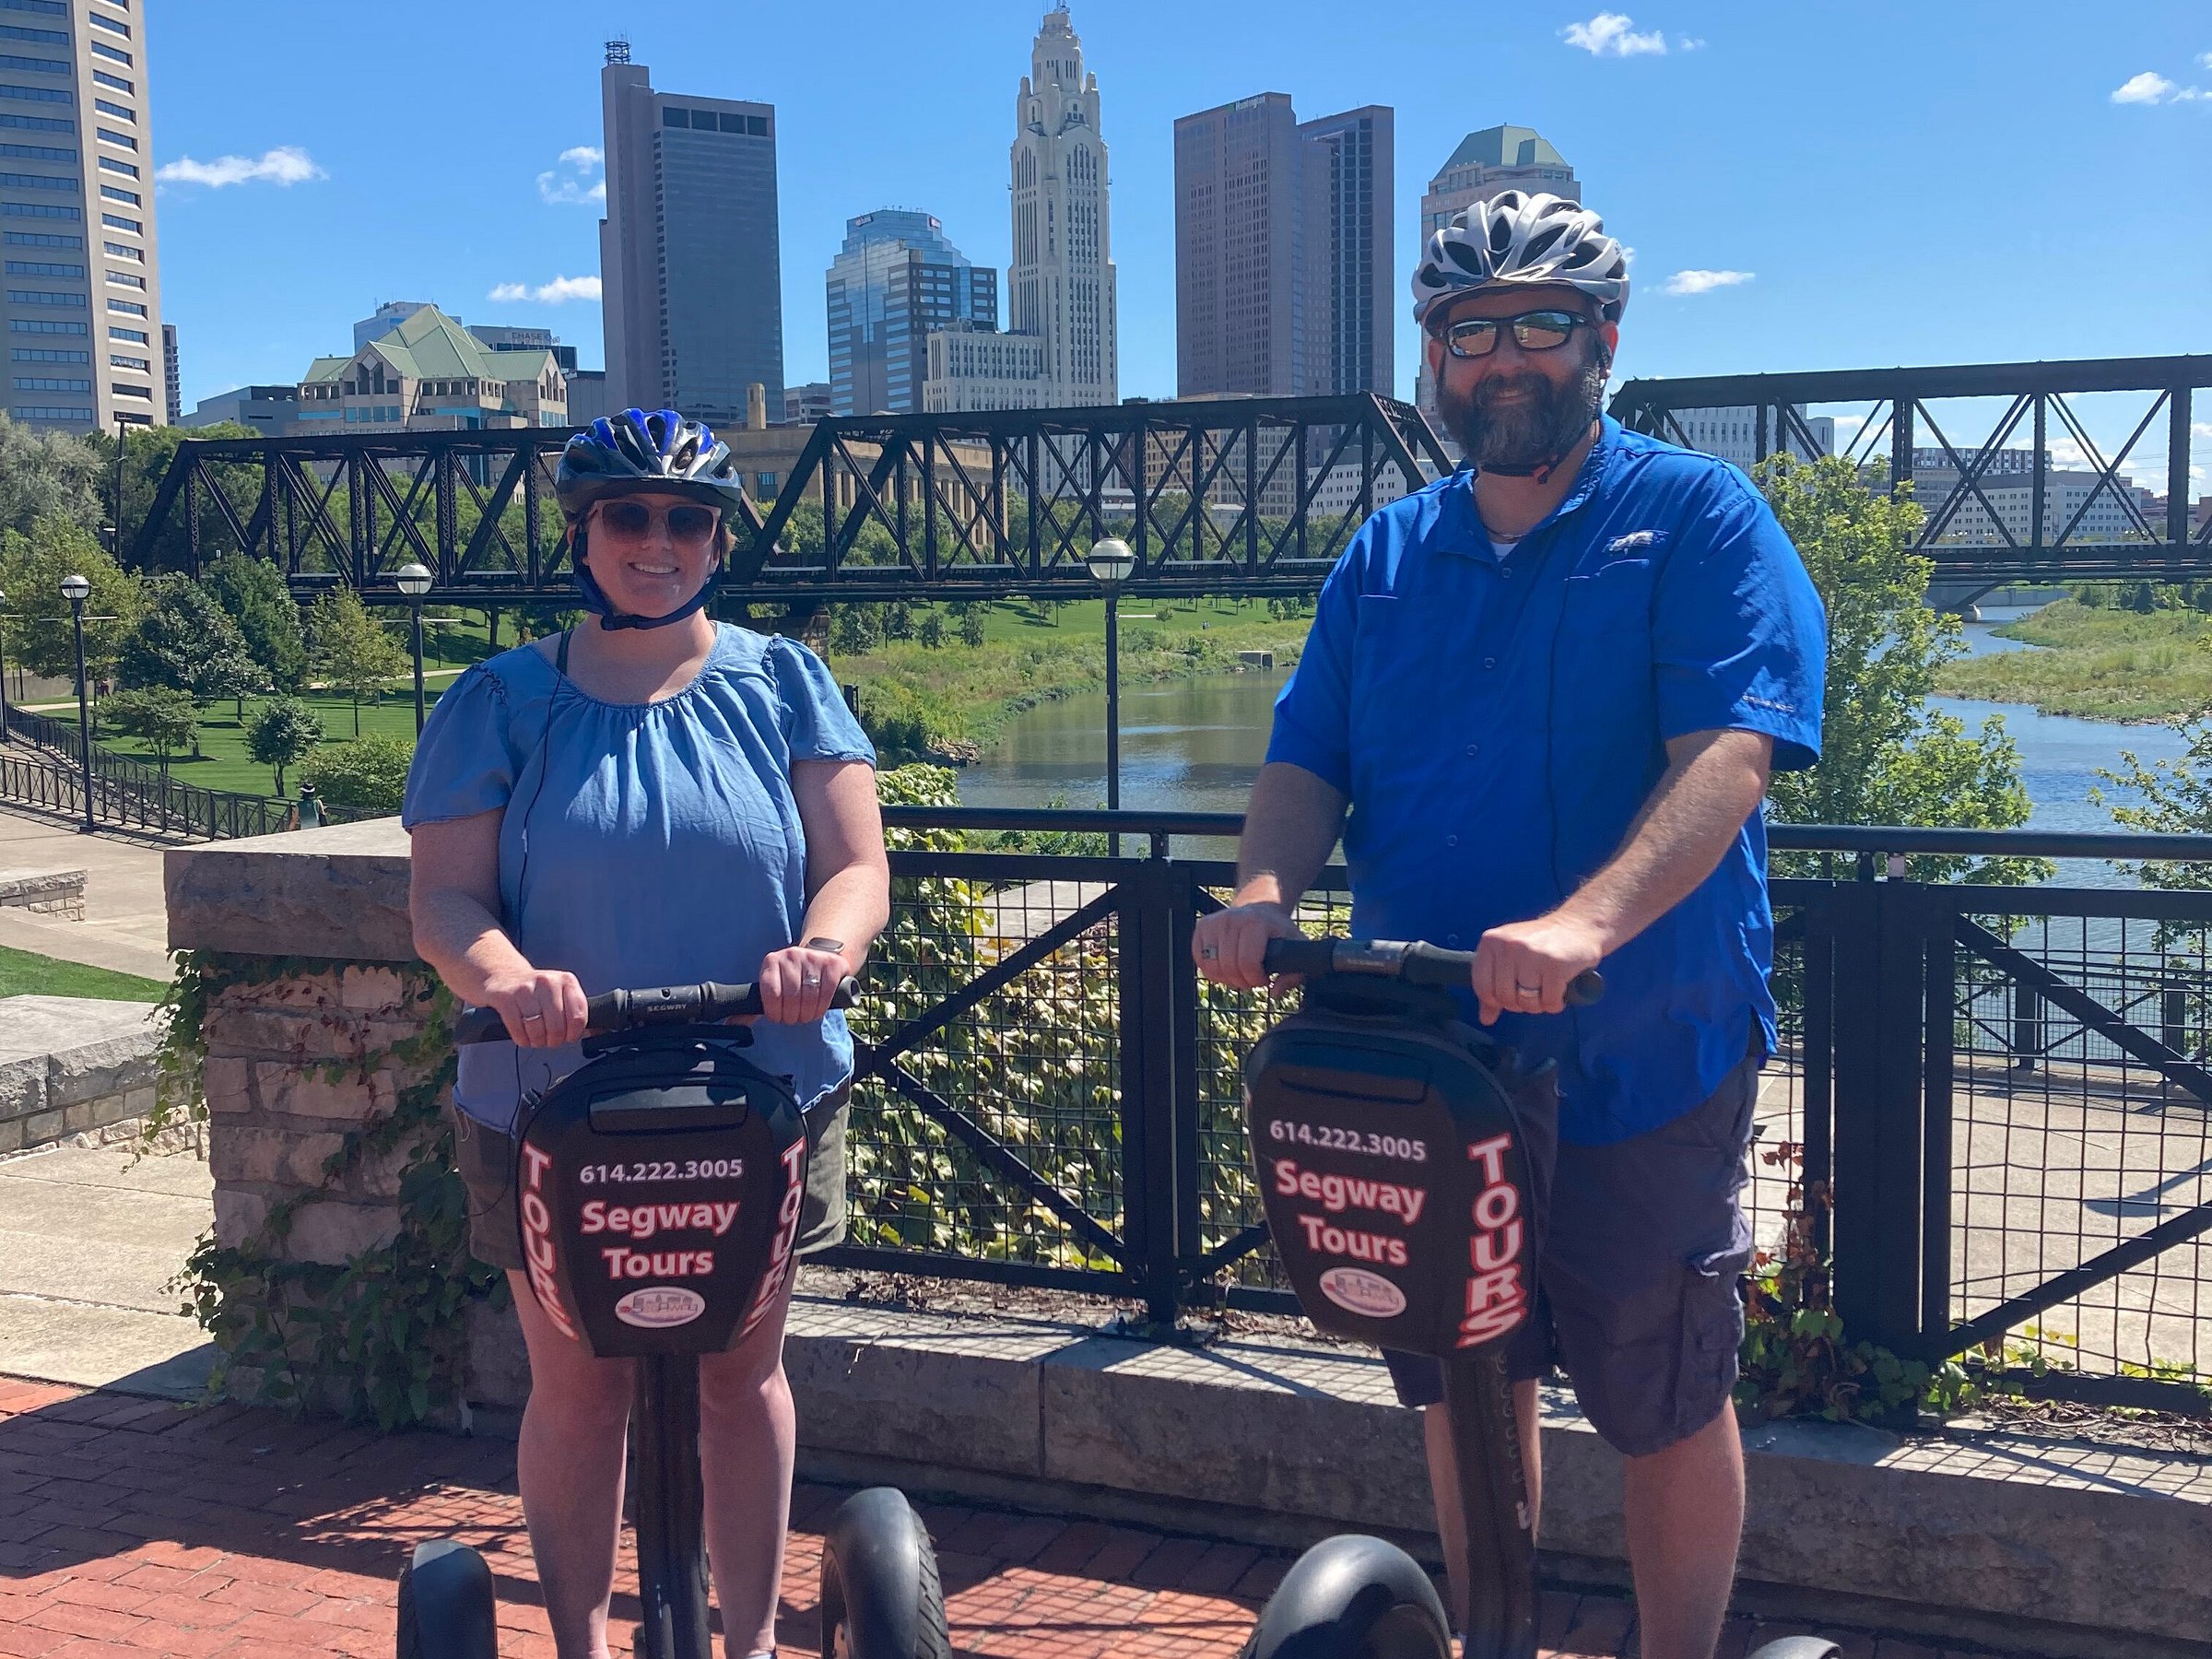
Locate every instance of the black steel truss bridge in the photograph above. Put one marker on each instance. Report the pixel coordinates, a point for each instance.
(1219, 496)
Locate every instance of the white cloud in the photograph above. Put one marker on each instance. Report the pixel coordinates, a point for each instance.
(1612, 34)
(559, 291)
(1689, 43)
(2144, 89)
(566, 184)
(2204, 59)
(287, 164)
(1704, 282)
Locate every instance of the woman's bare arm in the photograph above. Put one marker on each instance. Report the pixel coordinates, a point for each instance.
(454, 902)
(848, 888)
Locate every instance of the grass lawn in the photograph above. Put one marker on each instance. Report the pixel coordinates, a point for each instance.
(2096, 661)
(23, 974)
(224, 765)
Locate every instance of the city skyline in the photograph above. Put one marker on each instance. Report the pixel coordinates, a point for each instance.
(1769, 267)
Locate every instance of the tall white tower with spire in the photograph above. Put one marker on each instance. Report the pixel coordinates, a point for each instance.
(1061, 285)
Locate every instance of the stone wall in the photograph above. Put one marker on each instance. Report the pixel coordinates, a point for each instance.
(44, 892)
(72, 1067)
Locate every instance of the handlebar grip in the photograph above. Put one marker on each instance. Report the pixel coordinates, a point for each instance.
(1307, 957)
(665, 1005)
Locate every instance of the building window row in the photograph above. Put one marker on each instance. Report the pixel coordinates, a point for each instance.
(41, 325)
(124, 139)
(97, 22)
(40, 382)
(114, 195)
(119, 110)
(120, 251)
(115, 221)
(44, 354)
(44, 8)
(37, 181)
(116, 82)
(36, 94)
(117, 360)
(129, 308)
(39, 239)
(124, 391)
(32, 66)
(135, 335)
(40, 297)
(125, 279)
(48, 412)
(43, 36)
(113, 54)
(38, 152)
(708, 120)
(110, 164)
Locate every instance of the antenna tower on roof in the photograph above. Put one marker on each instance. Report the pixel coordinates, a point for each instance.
(618, 50)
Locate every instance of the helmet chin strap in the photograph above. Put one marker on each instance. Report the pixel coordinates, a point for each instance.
(600, 605)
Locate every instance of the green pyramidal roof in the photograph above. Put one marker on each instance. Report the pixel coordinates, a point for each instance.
(1504, 146)
(430, 346)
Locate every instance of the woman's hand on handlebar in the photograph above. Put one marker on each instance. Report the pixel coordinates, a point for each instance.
(1525, 967)
(797, 984)
(542, 1007)
(1230, 946)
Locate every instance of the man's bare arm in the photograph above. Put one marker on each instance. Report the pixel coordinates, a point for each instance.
(1289, 827)
(1713, 781)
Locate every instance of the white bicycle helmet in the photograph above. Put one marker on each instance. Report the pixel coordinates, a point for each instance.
(1520, 239)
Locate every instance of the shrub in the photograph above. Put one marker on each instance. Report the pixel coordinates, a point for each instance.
(366, 776)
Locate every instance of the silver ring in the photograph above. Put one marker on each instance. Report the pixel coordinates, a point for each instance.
(528, 1018)
(1211, 954)
(1528, 990)
(810, 981)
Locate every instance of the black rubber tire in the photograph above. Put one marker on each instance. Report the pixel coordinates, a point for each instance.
(879, 1582)
(1798, 1647)
(1353, 1597)
(448, 1605)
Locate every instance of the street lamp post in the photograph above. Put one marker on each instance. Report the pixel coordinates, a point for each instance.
(415, 580)
(1111, 563)
(77, 589)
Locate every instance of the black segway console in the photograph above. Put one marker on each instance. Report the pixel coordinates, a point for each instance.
(660, 1188)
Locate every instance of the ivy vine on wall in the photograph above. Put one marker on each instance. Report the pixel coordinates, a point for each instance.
(381, 1336)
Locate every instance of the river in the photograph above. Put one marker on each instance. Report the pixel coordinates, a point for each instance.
(1193, 746)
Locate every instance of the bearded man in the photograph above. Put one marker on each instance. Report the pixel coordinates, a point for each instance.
(1547, 691)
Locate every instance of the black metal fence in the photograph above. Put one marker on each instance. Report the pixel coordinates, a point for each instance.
(2002, 1087)
(44, 770)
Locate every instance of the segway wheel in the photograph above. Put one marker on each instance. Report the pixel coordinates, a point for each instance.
(880, 1595)
(1799, 1647)
(1353, 1597)
(448, 1607)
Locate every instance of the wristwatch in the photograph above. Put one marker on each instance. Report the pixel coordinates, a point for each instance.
(824, 943)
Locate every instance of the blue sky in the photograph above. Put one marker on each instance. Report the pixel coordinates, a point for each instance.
(1955, 181)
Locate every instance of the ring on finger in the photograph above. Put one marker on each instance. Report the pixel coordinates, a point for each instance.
(1528, 990)
(811, 980)
(528, 1018)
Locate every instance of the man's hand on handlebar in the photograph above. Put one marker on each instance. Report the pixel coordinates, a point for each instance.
(1525, 967)
(542, 1007)
(1230, 946)
(797, 982)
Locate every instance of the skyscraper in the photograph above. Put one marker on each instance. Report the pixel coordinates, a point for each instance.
(1283, 250)
(82, 299)
(1485, 164)
(691, 272)
(1061, 286)
(897, 278)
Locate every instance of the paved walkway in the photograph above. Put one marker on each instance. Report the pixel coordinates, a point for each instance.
(138, 1526)
(124, 927)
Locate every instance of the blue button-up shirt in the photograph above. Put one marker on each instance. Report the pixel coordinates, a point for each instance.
(1497, 724)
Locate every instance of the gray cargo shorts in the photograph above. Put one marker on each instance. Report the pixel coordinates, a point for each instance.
(485, 1155)
(1644, 1242)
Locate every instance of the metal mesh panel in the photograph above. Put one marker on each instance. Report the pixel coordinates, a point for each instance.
(1035, 1065)
(2065, 1144)
(1778, 1124)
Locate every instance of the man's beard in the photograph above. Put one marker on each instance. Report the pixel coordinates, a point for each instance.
(1526, 432)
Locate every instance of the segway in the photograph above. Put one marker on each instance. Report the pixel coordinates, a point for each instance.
(1388, 1138)
(659, 1186)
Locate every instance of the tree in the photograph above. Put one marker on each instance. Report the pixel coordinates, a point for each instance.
(147, 456)
(930, 631)
(972, 628)
(854, 628)
(281, 733)
(185, 642)
(166, 719)
(367, 776)
(31, 567)
(1886, 757)
(48, 475)
(898, 620)
(349, 650)
(254, 591)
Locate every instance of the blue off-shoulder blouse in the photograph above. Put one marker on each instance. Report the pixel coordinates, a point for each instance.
(643, 843)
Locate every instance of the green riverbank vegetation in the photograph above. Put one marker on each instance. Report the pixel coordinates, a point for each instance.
(2097, 659)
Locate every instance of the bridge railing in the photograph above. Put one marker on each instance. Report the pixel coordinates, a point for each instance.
(47, 774)
(1990, 1104)
(2013, 483)
(1244, 495)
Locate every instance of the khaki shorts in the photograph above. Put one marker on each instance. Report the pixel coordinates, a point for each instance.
(486, 1154)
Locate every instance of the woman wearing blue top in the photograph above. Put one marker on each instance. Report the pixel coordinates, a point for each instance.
(653, 800)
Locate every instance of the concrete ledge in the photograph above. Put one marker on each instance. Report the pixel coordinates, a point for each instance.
(2034, 1546)
(44, 892)
(72, 1065)
(339, 891)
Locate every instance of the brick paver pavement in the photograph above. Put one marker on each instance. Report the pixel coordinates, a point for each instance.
(131, 1526)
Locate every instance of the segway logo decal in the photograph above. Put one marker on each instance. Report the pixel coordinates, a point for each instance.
(642, 1221)
(787, 1234)
(1340, 1192)
(1497, 1293)
(657, 1307)
(537, 1240)
(1367, 1294)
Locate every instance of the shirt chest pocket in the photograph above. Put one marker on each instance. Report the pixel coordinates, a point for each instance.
(1613, 598)
(1605, 650)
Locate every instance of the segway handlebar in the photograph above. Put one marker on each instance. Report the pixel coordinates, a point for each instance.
(663, 1005)
(1414, 961)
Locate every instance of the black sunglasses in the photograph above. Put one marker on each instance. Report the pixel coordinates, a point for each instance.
(689, 525)
(1533, 331)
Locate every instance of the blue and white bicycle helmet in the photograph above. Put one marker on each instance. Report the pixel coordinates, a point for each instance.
(637, 453)
(1523, 240)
